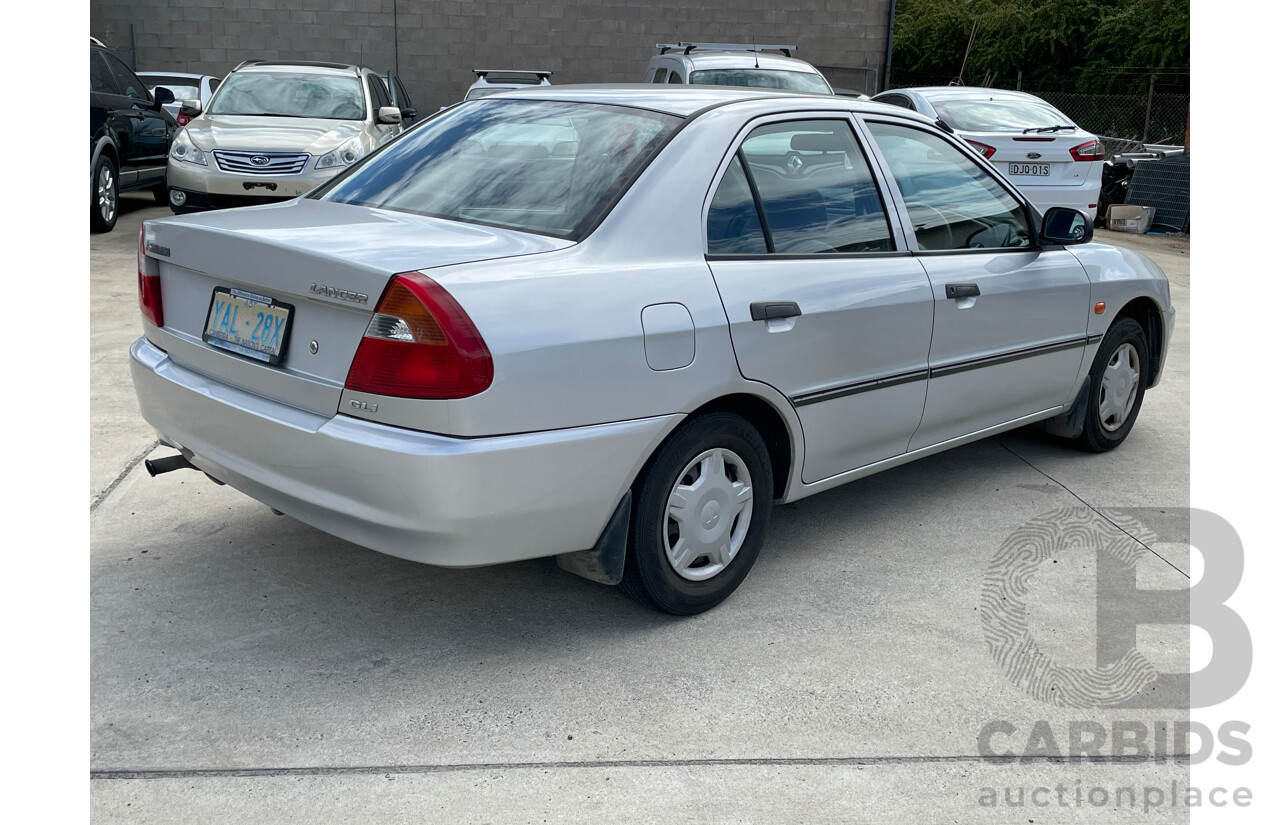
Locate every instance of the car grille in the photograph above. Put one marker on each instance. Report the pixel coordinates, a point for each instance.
(252, 163)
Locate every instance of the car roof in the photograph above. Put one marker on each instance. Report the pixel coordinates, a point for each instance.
(683, 100)
(174, 74)
(301, 66)
(745, 60)
(937, 92)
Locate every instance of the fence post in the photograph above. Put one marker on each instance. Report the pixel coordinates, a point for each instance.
(1146, 123)
(1019, 84)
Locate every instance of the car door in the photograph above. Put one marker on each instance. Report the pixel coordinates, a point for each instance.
(1010, 315)
(823, 300)
(143, 130)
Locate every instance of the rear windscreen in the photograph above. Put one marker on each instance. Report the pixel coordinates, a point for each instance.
(548, 167)
(762, 79)
(995, 115)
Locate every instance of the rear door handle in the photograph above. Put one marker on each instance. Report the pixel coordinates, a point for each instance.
(773, 310)
(963, 291)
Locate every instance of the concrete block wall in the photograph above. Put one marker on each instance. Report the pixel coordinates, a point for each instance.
(439, 43)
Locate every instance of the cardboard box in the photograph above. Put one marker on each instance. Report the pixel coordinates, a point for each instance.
(1125, 218)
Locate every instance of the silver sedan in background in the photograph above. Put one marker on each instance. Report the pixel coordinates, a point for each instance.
(615, 325)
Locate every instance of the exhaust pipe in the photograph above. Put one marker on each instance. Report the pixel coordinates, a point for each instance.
(168, 464)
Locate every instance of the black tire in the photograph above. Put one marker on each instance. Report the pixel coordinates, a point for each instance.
(104, 195)
(650, 576)
(1124, 341)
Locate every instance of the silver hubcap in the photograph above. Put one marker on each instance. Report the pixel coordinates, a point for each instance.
(106, 194)
(1119, 387)
(708, 513)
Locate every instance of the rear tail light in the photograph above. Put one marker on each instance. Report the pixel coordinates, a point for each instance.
(183, 120)
(1093, 150)
(148, 285)
(420, 344)
(983, 149)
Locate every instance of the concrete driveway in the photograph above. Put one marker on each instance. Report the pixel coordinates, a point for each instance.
(248, 668)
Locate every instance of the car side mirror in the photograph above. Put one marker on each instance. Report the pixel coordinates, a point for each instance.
(191, 108)
(407, 113)
(1066, 226)
(163, 95)
(389, 114)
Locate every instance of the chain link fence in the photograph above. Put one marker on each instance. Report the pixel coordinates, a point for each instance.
(1157, 114)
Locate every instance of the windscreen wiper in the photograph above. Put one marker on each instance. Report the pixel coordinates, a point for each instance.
(1043, 129)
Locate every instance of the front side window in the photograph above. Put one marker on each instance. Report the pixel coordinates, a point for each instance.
(674, 77)
(815, 188)
(126, 80)
(100, 77)
(762, 79)
(291, 94)
(953, 203)
(378, 91)
(548, 167)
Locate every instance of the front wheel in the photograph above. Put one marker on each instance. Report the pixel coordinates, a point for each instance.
(1117, 384)
(104, 195)
(702, 507)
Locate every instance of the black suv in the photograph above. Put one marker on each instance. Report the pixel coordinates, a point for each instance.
(129, 137)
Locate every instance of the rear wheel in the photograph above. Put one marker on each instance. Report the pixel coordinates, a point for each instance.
(1117, 384)
(104, 195)
(702, 507)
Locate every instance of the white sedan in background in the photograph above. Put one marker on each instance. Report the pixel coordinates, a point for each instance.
(1039, 149)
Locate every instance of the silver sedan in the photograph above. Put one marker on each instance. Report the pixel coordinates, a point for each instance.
(615, 325)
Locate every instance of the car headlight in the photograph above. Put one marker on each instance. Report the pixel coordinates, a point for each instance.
(345, 155)
(185, 150)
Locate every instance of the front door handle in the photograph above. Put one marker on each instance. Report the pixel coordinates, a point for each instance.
(962, 291)
(773, 310)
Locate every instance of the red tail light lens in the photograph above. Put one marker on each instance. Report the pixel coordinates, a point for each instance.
(1093, 150)
(148, 285)
(420, 344)
(984, 149)
(183, 120)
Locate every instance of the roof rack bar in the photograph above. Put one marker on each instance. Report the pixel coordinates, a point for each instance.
(726, 47)
(540, 73)
(318, 63)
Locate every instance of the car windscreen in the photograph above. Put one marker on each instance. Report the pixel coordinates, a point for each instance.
(997, 115)
(547, 167)
(290, 94)
(762, 79)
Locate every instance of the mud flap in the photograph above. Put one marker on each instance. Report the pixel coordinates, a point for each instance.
(603, 563)
(1071, 423)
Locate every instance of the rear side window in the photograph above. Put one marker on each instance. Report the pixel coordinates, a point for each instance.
(815, 189)
(953, 203)
(554, 168)
(101, 79)
(660, 76)
(733, 223)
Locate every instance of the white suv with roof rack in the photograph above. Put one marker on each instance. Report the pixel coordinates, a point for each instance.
(734, 64)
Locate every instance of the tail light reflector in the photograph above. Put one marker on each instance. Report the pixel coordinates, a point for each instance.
(148, 285)
(1093, 150)
(183, 120)
(985, 150)
(420, 344)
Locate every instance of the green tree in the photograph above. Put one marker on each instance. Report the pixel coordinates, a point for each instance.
(1081, 45)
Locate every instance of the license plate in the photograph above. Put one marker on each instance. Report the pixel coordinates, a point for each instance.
(248, 324)
(1035, 169)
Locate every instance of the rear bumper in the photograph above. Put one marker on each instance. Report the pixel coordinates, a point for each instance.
(447, 501)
